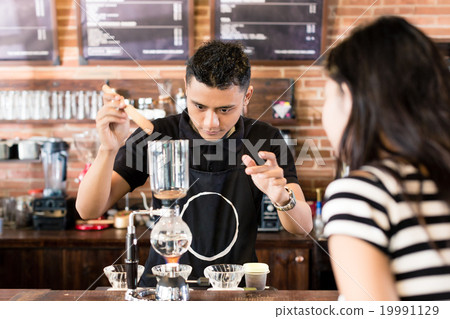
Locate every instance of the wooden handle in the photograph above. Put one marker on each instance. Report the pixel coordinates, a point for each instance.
(299, 259)
(137, 117)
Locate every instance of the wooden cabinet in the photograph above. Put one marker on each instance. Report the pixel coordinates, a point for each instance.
(289, 268)
(288, 257)
(74, 260)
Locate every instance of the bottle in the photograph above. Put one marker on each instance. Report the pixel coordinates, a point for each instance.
(318, 221)
(180, 100)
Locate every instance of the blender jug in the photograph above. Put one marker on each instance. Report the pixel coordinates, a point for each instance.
(54, 159)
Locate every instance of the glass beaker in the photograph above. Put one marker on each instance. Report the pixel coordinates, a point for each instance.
(169, 168)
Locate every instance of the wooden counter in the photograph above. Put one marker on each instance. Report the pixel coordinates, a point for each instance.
(195, 295)
(74, 260)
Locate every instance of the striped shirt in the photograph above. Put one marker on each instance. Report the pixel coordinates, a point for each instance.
(374, 210)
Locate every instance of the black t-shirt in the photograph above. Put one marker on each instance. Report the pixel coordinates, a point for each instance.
(254, 136)
(213, 224)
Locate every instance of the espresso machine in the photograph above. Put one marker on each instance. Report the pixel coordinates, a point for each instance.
(170, 237)
(49, 211)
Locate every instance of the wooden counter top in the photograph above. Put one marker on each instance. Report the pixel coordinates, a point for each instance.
(195, 295)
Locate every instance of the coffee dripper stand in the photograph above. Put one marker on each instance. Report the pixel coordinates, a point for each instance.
(169, 288)
(170, 237)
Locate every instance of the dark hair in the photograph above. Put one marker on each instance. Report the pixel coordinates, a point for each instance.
(400, 86)
(219, 65)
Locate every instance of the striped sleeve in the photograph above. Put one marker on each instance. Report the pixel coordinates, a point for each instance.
(356, 207)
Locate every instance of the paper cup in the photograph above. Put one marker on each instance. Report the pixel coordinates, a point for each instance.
(256, 275)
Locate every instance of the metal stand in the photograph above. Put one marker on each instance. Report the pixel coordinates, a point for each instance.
(167, 289)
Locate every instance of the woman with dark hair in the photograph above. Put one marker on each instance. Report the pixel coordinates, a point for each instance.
(387, 115)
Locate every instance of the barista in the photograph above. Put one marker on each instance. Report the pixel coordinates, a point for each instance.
(236, 158)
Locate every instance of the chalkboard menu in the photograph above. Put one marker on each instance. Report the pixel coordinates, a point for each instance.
(28, 31)
(271, 30)
(135, 30)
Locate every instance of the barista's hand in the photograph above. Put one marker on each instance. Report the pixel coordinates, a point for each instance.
(269, 178)
(112, 122)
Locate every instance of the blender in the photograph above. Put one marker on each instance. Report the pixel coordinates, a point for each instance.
(49, 212)
(170, 237)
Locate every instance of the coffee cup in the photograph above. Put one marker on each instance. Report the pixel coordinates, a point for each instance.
(256, 275)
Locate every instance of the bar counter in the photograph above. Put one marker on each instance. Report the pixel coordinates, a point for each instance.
(195, 295)
(74, 259)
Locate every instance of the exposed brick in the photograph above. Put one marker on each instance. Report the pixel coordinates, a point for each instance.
(325, 143)
(394, 10)
(315, 83)
(437, 10)
(201, 11)
(173, 74)
(306, 94)
(201, 2)
(441, 20)
(437, 32)
(356, 2)
(266, 73)
(297, 72)
(346, 22)
(408, 2)
(67, 42)
(311, 132)
(350, 11)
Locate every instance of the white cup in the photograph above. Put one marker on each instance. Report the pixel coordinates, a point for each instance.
(256, 275)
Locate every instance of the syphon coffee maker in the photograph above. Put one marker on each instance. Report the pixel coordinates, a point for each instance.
(170, 237)
(49, 211)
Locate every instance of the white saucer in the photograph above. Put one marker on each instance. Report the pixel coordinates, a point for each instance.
(226, 289)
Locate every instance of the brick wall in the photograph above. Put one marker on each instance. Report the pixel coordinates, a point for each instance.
(432, 16)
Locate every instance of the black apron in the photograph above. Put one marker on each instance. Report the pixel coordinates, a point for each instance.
(220, 234)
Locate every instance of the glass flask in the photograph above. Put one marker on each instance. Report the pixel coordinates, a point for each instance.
(171, 236)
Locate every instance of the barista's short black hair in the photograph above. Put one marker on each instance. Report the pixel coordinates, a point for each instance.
(220, 65)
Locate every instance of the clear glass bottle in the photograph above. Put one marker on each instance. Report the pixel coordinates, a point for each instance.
(318, 221)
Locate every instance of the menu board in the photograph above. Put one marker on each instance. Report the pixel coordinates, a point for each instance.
(139, 30)
(271, 30)
(28, 31)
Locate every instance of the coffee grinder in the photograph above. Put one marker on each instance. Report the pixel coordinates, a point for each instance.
(49, 212)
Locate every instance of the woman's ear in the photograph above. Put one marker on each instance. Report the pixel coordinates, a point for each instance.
(347, 99)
